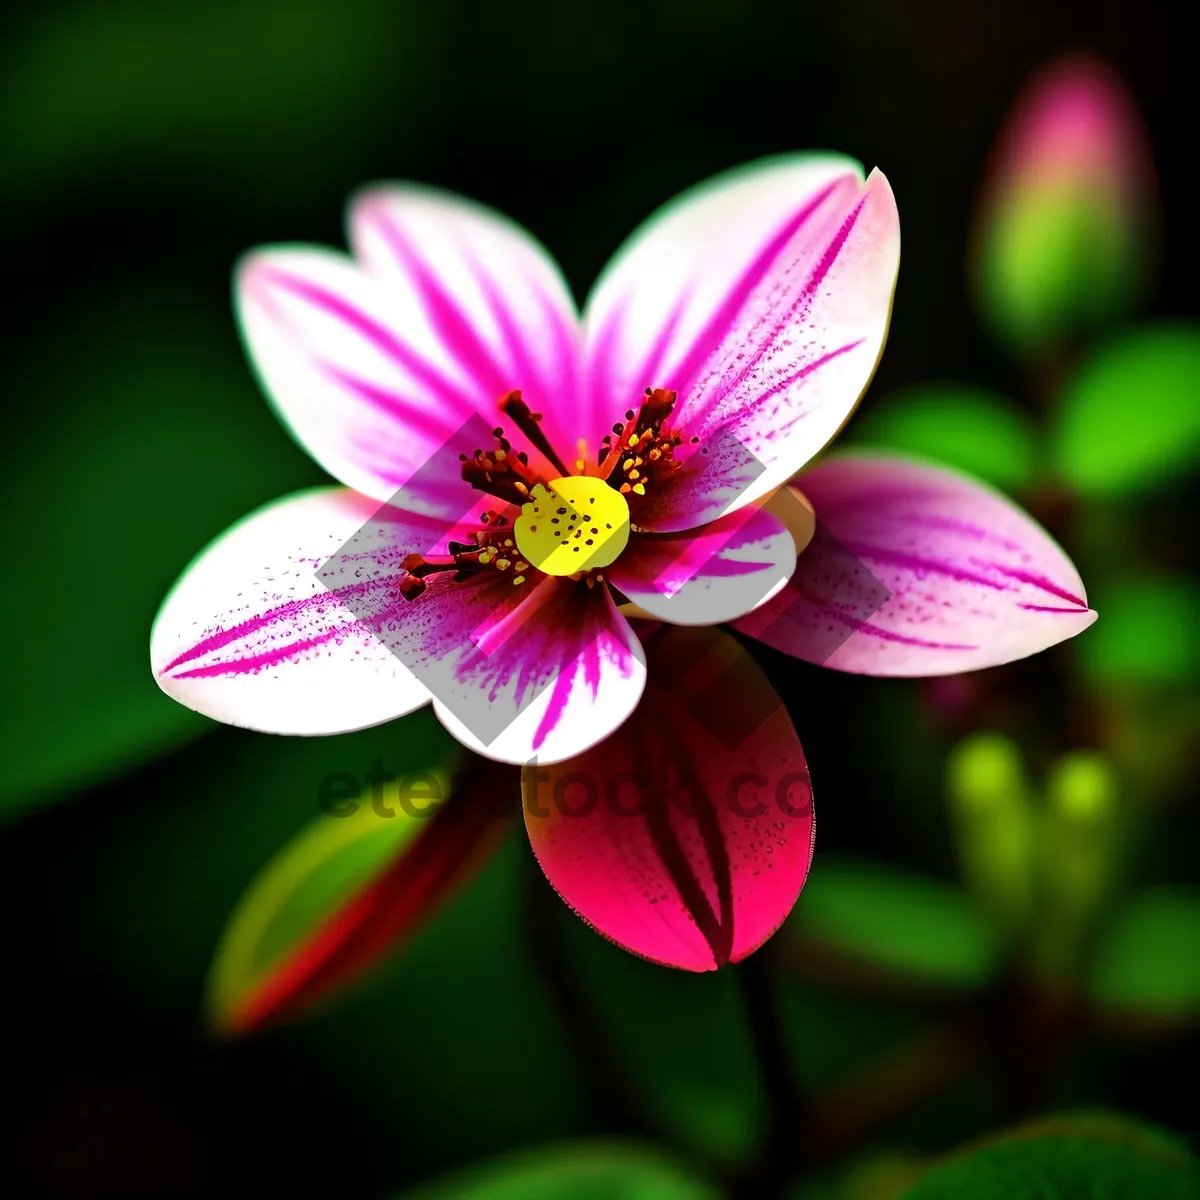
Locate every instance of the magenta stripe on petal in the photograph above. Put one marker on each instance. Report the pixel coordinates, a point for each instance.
(799, 375)
(793, 358)
(252, 636)
(1041, 582)
(889, 635)
(456, 334)
(379, 335)
(1049, 608)
(282, 616)
(257, 662)
(897, 566)
(920, 566)
(686, 836)
(718, 326)
(835, 248)
(710, 575)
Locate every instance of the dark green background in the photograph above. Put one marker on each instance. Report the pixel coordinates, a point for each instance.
(143, 147)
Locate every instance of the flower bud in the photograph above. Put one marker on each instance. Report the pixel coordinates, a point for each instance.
(1063, 234)
(993, 818)
(1079, 844)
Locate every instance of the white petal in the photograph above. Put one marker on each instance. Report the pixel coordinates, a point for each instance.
(594, 671)
(250, 635)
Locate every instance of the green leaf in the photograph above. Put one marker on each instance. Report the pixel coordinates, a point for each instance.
(277, 93)
(977, 431)
(582, 1170)
(146, 892)
(141, 436)
(1148, 963)
(1148, 633)
(896, 921)
(350, 888)
(1129, 419)
(1098, 1156)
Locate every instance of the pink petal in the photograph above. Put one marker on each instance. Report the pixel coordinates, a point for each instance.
(323, 640)
(707, 575)
(686, 837)
(1075, 122)
(251, 637)
(792, 359)
(537, 681)
(491, 294)
(673, 289)
(918, 570)
(374, 367)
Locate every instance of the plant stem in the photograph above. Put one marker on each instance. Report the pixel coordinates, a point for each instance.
(585, 1033)
(784, 1102)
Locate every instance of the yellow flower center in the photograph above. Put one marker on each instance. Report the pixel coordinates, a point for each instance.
(572, 524)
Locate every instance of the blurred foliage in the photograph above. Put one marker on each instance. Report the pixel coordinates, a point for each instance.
(1128, 419)
(1148, 964)
(1063, 1158)
(1081, 829)
(302, 891)
(991, 807)
(1053, 261)
(277, 92)
(457, 1024)
(1041, 862)
(882, 1176)
(960, 425)
(898, 922)
(589, 1171)
(1081, 786)
(1149, 633)
(132, 403)
(687, 1055)
(1064, 234)
(174, 136)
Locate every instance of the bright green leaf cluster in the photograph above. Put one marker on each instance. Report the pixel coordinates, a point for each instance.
(1129, 418)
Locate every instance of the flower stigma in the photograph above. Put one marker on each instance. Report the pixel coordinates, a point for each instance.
(572, 524)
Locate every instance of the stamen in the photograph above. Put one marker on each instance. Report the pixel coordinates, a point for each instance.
(642, 451)
(489, 550)
(513, 407)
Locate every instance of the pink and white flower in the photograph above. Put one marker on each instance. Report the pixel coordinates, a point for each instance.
(748, 313)
(721, 349)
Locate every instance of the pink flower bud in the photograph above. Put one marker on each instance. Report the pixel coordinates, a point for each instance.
(1063, 234)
